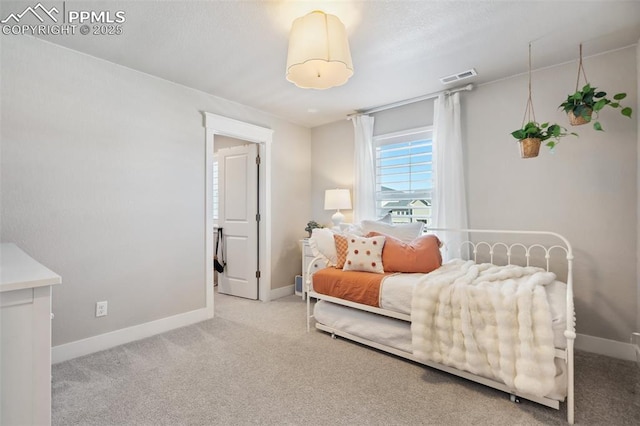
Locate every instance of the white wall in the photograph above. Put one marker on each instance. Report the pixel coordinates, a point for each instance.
(222, 142)
(331, 166)
(636, 112)
(103, 182)
(587, 190)
(411, 116)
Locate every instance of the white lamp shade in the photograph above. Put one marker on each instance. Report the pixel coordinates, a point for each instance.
(319, 55)
(336, 199)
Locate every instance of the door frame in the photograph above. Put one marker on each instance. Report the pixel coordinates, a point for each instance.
(220, 125)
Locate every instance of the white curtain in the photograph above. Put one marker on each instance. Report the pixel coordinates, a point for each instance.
(449, 198)
(364, 187)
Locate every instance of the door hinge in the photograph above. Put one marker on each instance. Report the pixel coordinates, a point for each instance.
(258, 159)
(257, 274)
(258, 217)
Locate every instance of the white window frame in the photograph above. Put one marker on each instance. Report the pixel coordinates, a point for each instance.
(403, 215)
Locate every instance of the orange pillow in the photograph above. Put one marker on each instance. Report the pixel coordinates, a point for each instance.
(342, 246)
(420, 255)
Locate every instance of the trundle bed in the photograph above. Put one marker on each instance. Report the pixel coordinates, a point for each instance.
(471, 318)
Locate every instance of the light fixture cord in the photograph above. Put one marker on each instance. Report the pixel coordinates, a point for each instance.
(326, 30)
(581, 69)
(528, 111)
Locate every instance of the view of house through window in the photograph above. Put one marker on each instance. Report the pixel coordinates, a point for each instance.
(404, 180)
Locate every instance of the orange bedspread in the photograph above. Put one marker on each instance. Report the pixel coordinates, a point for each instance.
(359, 287)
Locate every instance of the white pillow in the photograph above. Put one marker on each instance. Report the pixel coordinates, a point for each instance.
(356, 229)
(364, 254)
(406, 232)
(321, 243)
(351, 228)
(385, 219)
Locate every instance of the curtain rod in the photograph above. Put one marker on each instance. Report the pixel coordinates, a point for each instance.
(468, 87)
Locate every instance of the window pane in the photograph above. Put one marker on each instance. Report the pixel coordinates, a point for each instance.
(404, 176)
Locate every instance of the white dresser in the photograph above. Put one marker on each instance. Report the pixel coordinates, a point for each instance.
(307, 257)
(25, 338)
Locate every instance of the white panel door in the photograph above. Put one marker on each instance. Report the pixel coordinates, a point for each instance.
(238, 209)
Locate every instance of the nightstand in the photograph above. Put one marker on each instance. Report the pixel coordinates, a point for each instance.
(307, 258)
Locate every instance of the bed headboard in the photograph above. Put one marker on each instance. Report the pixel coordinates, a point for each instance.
(526, 248)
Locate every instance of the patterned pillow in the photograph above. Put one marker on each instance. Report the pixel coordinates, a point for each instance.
(364, 254)
(341, 249)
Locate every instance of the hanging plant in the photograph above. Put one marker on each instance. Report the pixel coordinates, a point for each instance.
(581, 105)
(531, 135)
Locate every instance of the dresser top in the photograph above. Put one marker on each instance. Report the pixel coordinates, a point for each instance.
(18, 270)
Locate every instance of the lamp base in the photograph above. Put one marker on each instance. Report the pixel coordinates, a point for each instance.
(337, 218)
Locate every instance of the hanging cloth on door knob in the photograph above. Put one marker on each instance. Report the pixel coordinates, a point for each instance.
(219, 263)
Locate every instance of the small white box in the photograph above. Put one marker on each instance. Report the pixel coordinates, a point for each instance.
(298, 286)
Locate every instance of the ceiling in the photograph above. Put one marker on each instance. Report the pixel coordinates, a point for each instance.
(237, 49)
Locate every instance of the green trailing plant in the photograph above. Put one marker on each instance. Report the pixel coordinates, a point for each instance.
(311, 225)
(532, 134)
(552, 133)
(588, 101)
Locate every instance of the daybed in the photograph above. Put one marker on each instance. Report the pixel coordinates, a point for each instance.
(508, 327)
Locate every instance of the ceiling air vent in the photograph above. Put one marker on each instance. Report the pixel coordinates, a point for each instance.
(457, 77)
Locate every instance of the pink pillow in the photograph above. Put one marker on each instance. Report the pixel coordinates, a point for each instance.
(420, 255)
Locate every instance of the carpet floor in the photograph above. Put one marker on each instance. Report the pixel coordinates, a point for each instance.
(254, 363)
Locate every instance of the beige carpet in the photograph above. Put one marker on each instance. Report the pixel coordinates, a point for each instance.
(254, 363)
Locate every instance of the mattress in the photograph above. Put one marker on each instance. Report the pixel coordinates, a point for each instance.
(396, 333)
(396, 294)
(397, 290)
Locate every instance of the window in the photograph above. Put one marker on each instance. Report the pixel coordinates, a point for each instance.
(404, 179)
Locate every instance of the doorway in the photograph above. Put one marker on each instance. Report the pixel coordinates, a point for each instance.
(237, 216)
(216, 127)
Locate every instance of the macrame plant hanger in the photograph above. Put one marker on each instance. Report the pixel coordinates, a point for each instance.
(581, 71)
(529, 147)
(529, 113)
(578, 120)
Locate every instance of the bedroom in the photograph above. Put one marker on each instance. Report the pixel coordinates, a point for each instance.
(103, 165)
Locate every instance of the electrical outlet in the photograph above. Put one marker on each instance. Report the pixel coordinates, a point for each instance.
(101, 309)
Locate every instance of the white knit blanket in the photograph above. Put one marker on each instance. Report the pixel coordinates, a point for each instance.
(492, 321)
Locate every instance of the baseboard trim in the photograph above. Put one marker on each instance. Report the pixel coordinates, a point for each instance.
(285, 291)
(109, 340)
(612, 348)
(67, 351)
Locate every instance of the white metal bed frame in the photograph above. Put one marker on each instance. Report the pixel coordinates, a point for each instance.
(567, 354)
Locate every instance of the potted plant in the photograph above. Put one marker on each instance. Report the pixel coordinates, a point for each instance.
(581, 105)
(532, 134)
(311, 225)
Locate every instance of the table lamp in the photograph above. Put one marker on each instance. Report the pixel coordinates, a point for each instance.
(336, 199)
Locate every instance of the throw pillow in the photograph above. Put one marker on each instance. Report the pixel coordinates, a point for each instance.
(364, 254)
(403, 231)
(351, 228)
(421, 255)
(321, 243)
(385, 219)
(341, 246)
